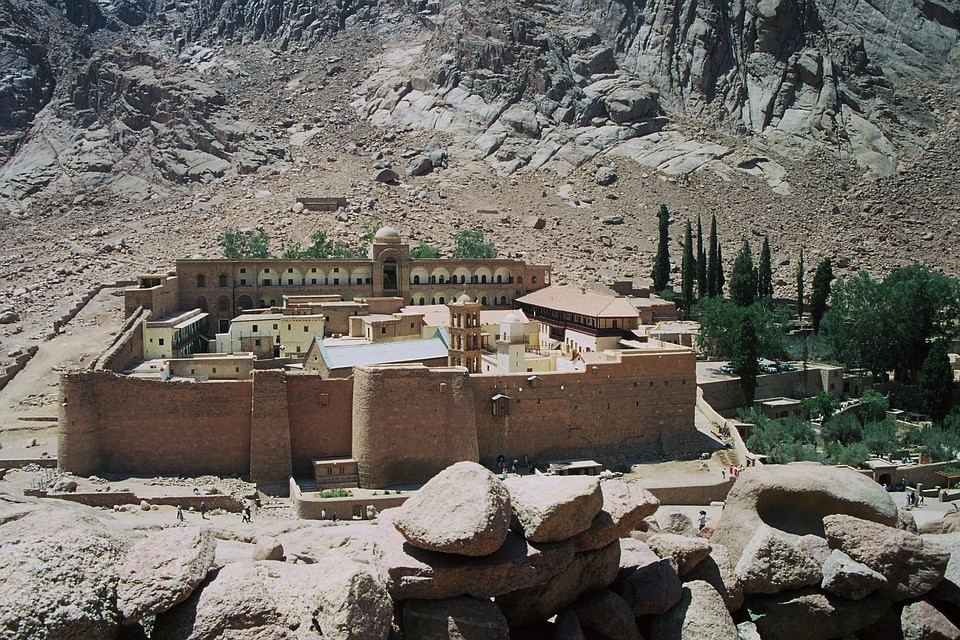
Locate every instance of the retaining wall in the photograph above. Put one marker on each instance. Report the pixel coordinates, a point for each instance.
(343, 508)
(18, 365)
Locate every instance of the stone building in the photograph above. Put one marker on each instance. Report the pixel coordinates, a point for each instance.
(226, 288)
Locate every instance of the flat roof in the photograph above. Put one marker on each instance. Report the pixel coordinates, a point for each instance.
(438, 315)
(399, 351)
(581, 301)
(178, 320)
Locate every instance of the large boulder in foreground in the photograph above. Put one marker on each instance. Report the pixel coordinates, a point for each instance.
(454, 619)
(554, 508)
(772, 562)
(61, 587)
(464, 509)
(278, 600)
(922, 621)
(414, 573)
(810, 615)
(719, 572)
(911, 565)
(605, 613)
(588, 570)
(700, 615)
(794, 498)
(845, 577)
(162, 570)
(686, 552)
(625, 505)
(949, 588)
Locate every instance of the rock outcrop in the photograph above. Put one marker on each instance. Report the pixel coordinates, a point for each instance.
(550, 509)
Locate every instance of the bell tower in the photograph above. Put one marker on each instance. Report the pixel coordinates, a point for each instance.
(465, 333)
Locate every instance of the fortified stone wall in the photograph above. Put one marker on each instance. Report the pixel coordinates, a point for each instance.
(411, 422)
(726, 396)
(321, 414)
(128, 345)
(642, 405)
(116, 424)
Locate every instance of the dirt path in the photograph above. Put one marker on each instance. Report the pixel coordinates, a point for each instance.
(28, 405)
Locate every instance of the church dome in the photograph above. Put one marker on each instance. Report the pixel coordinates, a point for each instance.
(513, 317)
(464, 298)
(387, 235)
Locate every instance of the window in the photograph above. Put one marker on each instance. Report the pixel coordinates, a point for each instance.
(243, 282)
(336, 269)
(336, 280)
(254, 328)
(313, 270)
(298, 348)
(223, 280)
(306, 328)
(223, 305)
(257, 342)
(201, 281)
(160, 342)
(267, 282)
(416, 279)
(289, 280)
(483, 279)
(214, 369)
(519, 280)
(383, 329)
(267, 270)
(359, 280)
(411, 325)
(202, 303)
(243, 270)
(274, 327)
(290, 270)
(533, 279)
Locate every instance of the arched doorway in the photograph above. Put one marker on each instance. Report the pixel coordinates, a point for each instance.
(390, 275)
(243, 303)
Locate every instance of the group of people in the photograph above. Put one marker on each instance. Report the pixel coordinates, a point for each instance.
(732, 470)
(244, 513)
(913, 499)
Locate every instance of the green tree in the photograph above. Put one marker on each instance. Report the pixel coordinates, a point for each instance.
(821, 292)
(688, 271)
(661, 265)
(880, 437)
(721, 319)
(939, 444)
(823, 405)
(783, 441)
(469, 244)
(745, 359)
(765, 272)
(844, 428)
(424, 252)
(873, 406)
(240, 244)
(743, 283)
(936, 383)
(712, 263)
(862, 325)
(852, 455)
(800, 279)
(702, 288)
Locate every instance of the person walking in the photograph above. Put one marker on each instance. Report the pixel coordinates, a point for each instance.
(203, 510)
(179, 513)
(246, 514)
(703, 520)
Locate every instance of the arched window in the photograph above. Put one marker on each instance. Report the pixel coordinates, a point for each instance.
(441, 280)
(423, 301)
(483, 300)
(416, 279)
(223, 305)
(202, 303)
(201, 281)
(533, 279)
(244, 302)
(433, 301)
(483, 279)
(519, 279)
(223, 279)
(433, 279)
(474, 279)
(443, 300)
(500, 279)
(503, 299)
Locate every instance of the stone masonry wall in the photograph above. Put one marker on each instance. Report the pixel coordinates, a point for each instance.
(270, 464)
(321, 415)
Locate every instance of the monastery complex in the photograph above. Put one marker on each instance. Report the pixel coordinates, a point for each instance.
(382, 372)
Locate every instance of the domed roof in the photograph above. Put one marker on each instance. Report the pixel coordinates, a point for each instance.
(464, 298)
(387, 235)
(513, 317)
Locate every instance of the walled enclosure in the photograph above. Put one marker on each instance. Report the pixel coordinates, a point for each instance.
(402, 423)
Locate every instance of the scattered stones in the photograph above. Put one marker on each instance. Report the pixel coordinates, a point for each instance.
(387, 176)
(554, 508)
(419, 166)
(615, 219)
(454, 619)
(9, 317)
(65, 485)
(605, 176)
(476, 508)
(772, 562)
(911, 565)
(844, 577)
(534, 222)
(162, 570)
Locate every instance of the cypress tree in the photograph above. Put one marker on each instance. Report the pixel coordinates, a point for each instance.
(713, 260)
(821, 292)
(721, 280)
(936, 382)
(765, 272)
(800, 276)
(661, 266)
(702, 287)
(688, 270)
(743, 278)
(744, 361)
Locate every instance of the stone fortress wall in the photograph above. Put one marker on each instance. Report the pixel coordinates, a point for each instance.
(401, 423)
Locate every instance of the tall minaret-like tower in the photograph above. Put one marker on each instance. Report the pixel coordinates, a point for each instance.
(465, 333)
(512, 344)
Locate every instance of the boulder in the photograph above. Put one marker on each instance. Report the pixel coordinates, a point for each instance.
(567, 627)
(906, 521)
(464, 509)
(649, 584)
(625, 505)
(414, 573)
(388, 176)
(686, 552)
(911, 566)
(679, 523)
(605, 176)
(949, 588)
(847, 578)
(815, 547)
(522, 121)
(534, 222)
(454, 619)
(268, 548)
(615, 219)
(794, 498)
(420, 166)
(625, 104)
(588, 570)
(554, 508)
(279, 600)
(922, 621)
(772, 563)
(810, 615)
(162, 570)
(605, 613)
(949, 523)
(700, 615)
(9, 317)
(65, 485)
(719, 572)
